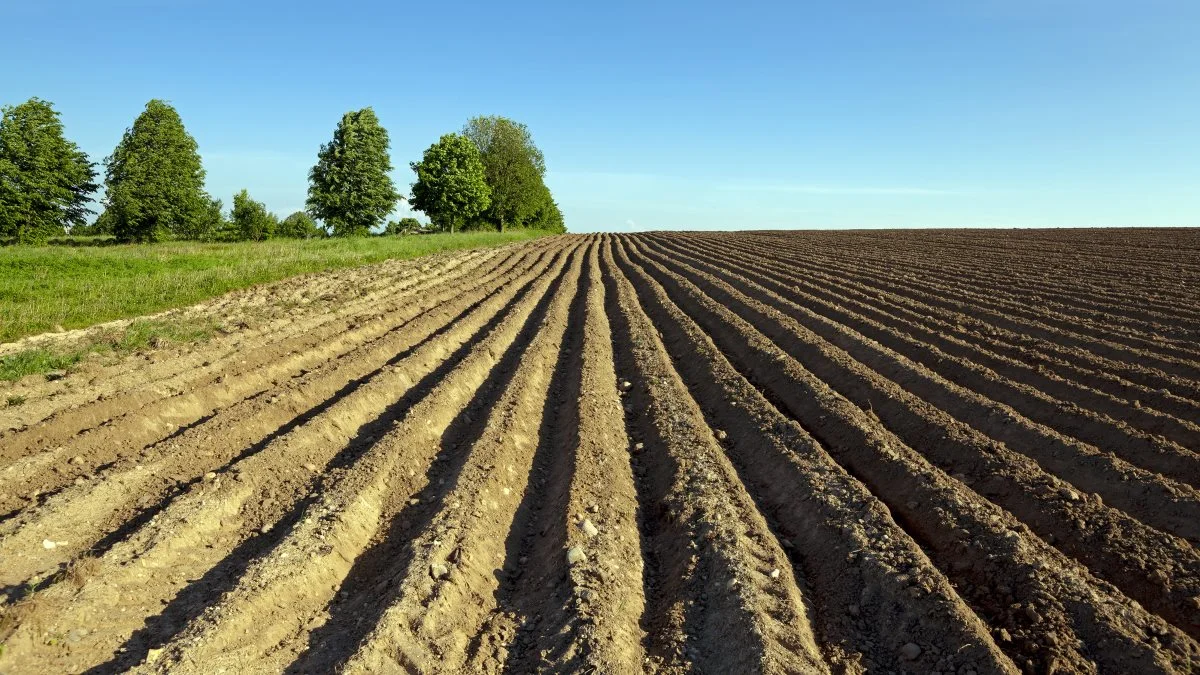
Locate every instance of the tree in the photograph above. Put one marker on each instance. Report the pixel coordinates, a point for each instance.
(349, 187)
(46, 181)
(155, 180)
(547, 215)
(408, 225)
(206, 226)
(251, 219)
(299, 225)
(513, 166)
(450, 186)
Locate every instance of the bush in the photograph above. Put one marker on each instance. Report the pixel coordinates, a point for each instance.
(300, 225)
(407, 225)
(251, 220)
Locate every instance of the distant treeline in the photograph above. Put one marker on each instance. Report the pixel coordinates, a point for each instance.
(487, 177)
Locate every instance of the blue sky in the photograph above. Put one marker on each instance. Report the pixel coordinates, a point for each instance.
(671, 115)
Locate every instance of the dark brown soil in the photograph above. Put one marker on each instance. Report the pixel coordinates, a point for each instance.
(785, 452)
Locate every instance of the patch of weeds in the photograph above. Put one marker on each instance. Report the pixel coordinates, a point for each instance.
(137, 336)
(36, 361)
(15, 400)
(155, 334)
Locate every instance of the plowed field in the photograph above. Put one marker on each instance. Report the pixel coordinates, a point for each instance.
(922, 451)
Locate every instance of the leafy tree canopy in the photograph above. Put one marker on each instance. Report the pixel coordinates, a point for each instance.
(547, 215)
(155, 180)
(46, 181)
(299, 225)
(513, 166)
(349, 187)
(251, 219)
(450, 187)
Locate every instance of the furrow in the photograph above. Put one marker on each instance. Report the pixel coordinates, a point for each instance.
(1110, 543)
(1166, 504)
(445, 587)
(1022, 321)
(87, 515)
(1139, 385)
(1157, 385)
(149, 421)
(202, 542)
(721, 596)
(935, 346)
(1054, 613)
(130, 384)
(858, 563)
(554, 615)
(1039, 289)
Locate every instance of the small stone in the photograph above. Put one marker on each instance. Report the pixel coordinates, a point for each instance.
(414, 501)
(1032, 614)
(721, 435)
(153, 654)
(775, 573)
(575, 555)
(626, 384)
(76, 460)
(439, 571)
(211, 475)
(48, 545)
(265, 529)
(589, 528)
(910, 651)
(638, 447)
(56, 375)
(1069, 494)
(311, 467)
(1005, 636)
(594, 509)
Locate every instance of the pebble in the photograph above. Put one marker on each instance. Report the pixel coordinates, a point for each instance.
(76, 460)
(910, 651)
(575, 555)
(1032, 614)
(414, 501)
(439, 571)
(48, 545)
(265, 529)
(311, 467)
(594, 508)
(638, 447)
(775, 573)
(210, 475)
(721, 435)
(626, 384)
(589, 528)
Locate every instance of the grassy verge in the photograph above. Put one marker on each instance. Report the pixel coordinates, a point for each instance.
(75, 287)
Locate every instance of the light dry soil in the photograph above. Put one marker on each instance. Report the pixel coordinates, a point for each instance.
(781, 452)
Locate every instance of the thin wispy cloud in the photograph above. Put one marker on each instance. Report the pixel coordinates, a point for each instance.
(840, 190)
